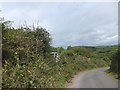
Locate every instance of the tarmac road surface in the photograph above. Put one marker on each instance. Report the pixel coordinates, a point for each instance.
(96, 78)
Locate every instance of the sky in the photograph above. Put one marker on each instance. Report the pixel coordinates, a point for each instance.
(69, 23)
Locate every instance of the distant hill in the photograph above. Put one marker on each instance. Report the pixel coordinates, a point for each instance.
(95, 52)
(104, 52)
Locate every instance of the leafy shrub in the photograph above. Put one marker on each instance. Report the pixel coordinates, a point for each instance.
(27, 62)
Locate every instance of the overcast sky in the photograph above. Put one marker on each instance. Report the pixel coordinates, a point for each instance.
(70, 24)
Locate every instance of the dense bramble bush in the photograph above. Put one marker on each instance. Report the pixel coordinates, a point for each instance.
(27, 62)
(39, 74)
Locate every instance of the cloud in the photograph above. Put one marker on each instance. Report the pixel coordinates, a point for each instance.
(89, 23)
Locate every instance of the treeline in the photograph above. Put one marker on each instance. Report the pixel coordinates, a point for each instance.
(98, 52)
(27, 60)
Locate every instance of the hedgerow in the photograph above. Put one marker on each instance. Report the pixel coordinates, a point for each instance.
(27, 62)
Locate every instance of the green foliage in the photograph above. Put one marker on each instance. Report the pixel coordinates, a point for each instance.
(31, 75)
(27, 62)
(58, 49)
(103, 52)
(114, 66)
(24, 43)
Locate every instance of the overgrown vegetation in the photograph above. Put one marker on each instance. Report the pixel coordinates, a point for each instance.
(27, 62)
(114, 67)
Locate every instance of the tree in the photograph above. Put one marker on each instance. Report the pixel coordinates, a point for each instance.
(60, 49)
(69, 47)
